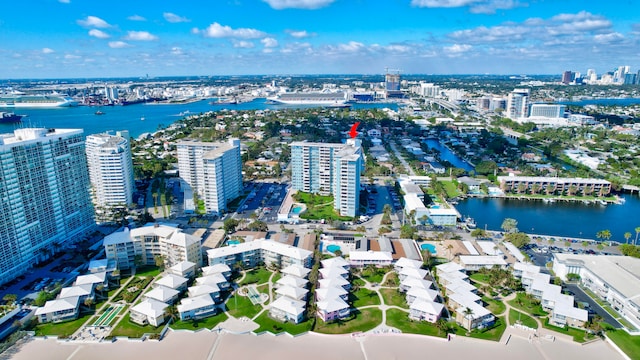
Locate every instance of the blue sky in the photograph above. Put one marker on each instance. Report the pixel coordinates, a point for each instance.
(81, 38)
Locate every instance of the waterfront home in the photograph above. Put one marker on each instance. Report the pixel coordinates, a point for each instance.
(163, 294)
(150, 312)
(186, 269)
(197, 307)
(296, 270)
(172, 282)
(333, 309)
(207, 289)
(287, 309)
(425, 310)
(59, 310)
(331, 293)
(475, 263)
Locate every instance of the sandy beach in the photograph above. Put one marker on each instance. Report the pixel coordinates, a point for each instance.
(220, 346)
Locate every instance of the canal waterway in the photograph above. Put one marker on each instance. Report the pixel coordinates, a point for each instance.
(448, 155)
(140, 118)
(569, 219)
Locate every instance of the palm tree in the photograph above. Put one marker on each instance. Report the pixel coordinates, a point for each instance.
(172, 313)
(604, 234)
(510, 225)
(442, 325)
(627, 236)
(88, 302)
(468, 314)
(637, 232)
(535, 188)
(449, 248)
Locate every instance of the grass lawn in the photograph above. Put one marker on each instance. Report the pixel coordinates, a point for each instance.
(496, 307)
(392, 280)
(126, 328)
(265, 290)
(483, 278)
(206, 323)
(318, 207)
(148, 270)
(526, 320)
(577, 334)
(399, 319)
(451, 189)
(394, 297)
(268, 324)
(373, 275)
(244, 307)
(493, 333)
(528, 305)
(276, 277)
(364, 297)
(627, 343)
(63, 329)
(363, 320)
(256, 276)
(358, 282)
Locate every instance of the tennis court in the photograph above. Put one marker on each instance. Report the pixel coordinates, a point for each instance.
(107, 317)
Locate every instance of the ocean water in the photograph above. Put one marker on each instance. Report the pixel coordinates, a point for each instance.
(138, 118)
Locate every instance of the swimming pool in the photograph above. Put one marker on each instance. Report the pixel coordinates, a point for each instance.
(233, 242)
(297, 209)
(333, 248)
(430, 247)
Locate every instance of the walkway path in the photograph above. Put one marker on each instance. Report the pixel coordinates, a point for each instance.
(382, 327)
(401, 158)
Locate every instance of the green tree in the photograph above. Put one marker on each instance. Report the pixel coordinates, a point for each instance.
(230, 225)
(518, 239)
(10, 298)
(627, 236)
(486, 167)
(510, 225)
(637, 229)
(468, 314)
(159, 260)
(478, 233)
(604, 234)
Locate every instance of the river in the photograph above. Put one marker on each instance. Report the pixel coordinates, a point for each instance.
(605, 102)
(571, 219)
(139, 118)
(448, 155)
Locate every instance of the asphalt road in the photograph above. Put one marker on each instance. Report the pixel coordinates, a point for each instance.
(581, 296)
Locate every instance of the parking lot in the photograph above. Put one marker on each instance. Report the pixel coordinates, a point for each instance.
(265, 200)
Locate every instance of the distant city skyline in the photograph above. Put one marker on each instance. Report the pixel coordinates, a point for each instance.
(73, 38)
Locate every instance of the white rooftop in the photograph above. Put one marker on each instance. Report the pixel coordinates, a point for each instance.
(161, 293)
(421, 293)
(215, 269)
(56, 305)
(426, 306)
(489, 247)
(261, 244)
(331, 305)
(197, 302)
(413, 272)
(333, 272)
(449, 267)
(337, 261)
(95, 278)
(203, 289)
(172, 281)
(411, 282)
(183, 266)
(77, 290)
(488, 260)
(289, 280)
(150, 308)
(333, 282)
(370, 256)
(288, 305)
(330, 292)
(296, 270)
(404, 262)
(292, 292)
(211, 279)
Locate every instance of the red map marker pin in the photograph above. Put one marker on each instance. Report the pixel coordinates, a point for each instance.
(353, 133)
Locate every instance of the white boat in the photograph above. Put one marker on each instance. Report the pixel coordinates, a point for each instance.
(470, 222)
(333, 99)
(602, 202)
(36, 101)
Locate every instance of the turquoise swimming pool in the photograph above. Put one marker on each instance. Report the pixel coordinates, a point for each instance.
(233, 242)
(333, 248)
(430, 247)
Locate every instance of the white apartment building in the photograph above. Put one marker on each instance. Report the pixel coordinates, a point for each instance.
(614, 279)
(517, 104)
(151, 240)
(44, 196)
(110, 169)
(547, 110)
(260, 251)
(213, 169)
(329, 169)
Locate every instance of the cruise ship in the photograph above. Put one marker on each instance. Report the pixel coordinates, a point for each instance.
(36, 101)
(332, 99)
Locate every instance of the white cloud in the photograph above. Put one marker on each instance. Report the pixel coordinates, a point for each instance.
(176, 51)
(475, 6)
(71, 56)
(93, 21)
(136, 18)
(298, 34)
(173, 18)
(243, 44)
(140, 36)
(216, 30)
(608, 38)
(98, 33)
(47, 51)
(269, 42)
(298, 4)
(351, 46)
(457, 49)
(118, 44)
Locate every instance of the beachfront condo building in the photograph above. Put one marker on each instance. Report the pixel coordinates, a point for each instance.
(329, 169)
(518, 104)
(110, 170)
(260, 251)
(45, 202)
(213, 170)
(147, 242)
